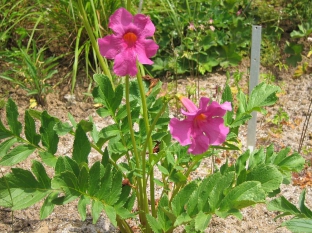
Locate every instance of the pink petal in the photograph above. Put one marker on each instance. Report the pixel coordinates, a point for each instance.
(188, 104)
(125, 63)
(181, 130)
(203, 103)
(145, 50)
(216, 109)
(215, 130)
(150, 48)
(109, 46)
(120, 20)
(144, 23)
(200, 144)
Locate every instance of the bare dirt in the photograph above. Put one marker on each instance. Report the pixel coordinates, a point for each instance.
(294, 100)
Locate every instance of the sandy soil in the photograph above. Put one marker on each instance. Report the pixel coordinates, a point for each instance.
(294, 100)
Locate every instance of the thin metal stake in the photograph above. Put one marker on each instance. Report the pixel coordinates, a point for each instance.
(253, 81)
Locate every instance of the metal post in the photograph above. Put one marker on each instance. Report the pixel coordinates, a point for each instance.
(253, 81)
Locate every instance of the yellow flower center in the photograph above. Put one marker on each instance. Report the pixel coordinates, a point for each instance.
(200, 118)
(130, 38)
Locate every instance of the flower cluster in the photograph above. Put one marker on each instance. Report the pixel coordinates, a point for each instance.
(202, 126)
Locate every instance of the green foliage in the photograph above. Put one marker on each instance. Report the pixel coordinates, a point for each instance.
(114, 183)
(249, 181)
(31, 71)
(200, 35)
(302, 217)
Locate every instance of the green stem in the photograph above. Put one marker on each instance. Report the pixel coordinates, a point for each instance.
(123, 225)
(93, 42)
(149, 143)
(141, 194)
(128, 5)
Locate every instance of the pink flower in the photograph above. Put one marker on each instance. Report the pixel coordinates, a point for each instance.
(191, 27)
(203, 126)
(128, 43)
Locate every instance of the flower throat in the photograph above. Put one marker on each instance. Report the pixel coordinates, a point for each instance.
(130, 38)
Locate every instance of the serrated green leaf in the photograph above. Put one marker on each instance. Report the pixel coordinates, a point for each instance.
(283, 205)
(153, 223)
(130, 202)
(62, 128)
(82, 146)
(105, 94)
(48, 158)
(95, 175)
(180, 200)
(109, 131)
(26, 200)
(268, 175)
(6, 145)
(294, 163)
(298, 225)
(122, 111)
(217, 192)
(182, 219)
(24, 189)
(96, 209)
(111, 213)
(67, 181)
(192, 204)
(262, 95)
(83, 179)
(64, 163)
(225, 214)
(204, 191)
(47, 206)
(4, 133)
(242, 100)
(49, 137)
(117, 97)
(106, 185)
(116, 188)
(17, 154)
(303, 208)
(162, 217)
(163, 170)
(281, 155)
(124, 213)
(103, 112)
(201, 221)
(12, 117)
(30, 129)
(82, 207)
(41, 174)
(123, 197)
(134, 92)
(72, 120)
(86, 125)
(243, 195)
(257, 158)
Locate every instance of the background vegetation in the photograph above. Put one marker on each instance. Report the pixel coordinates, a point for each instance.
(195, 37)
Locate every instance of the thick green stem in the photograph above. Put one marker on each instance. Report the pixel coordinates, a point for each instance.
(141, 193)
(93, 42)
(128, 5)
(123, 225)
(149, 143)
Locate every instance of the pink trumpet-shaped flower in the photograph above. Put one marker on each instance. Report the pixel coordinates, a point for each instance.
(203, 126)
(128, 43)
